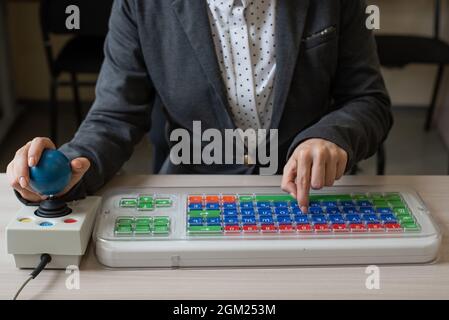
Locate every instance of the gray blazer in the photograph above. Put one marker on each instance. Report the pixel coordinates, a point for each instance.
(160, 53)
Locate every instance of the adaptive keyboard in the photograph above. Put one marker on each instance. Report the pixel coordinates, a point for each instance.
(183, 227)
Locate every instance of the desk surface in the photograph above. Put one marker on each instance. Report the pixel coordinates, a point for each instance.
(414, 282)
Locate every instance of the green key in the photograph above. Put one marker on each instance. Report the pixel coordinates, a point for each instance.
(142, 229)
(161, 221)
(128, 203)
(380, 203)
(406, 219)
(123, 230)
(161, 229)
(411, 226)
(205, 229)
(377, 196)
(400, 211)
(393, 196)
(395, 203)
(144, 221)
(246, 198)
(340, 197)
(124, 220)
(205, 214)
(163, 202)
(146, 206)
(145, 199)
(274, 197)
(360, 197)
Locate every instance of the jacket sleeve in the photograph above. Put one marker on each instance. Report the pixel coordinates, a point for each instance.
(120, 115)
(360, 117)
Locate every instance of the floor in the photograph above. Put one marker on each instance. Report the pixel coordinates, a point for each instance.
(410, 151)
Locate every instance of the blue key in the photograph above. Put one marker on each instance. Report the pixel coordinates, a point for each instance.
(249, 220)
(332, 210)
(388, 217)
(281, 211)
(354, 218)
(229, 205)
(347, 203)
(280, 204)
(350, 210)
(246, 205)
(296, 211)
(328, 204)
(213, 206)
(364, 203)
(231, 221)
(263, 204)
(315, 210)
(370, 217)
(336, 218)
(196, 221)
(195, 206)
(284, 219)
(266, 220)
(294, 204)
(367, 210)
(314, 204)
(302, 219)
(229, 212)
(213, 221)
(319, 218)
(247, 212)
(264, 211)
(384, 210)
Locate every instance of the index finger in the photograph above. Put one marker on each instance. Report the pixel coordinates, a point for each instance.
(38, 145)
(304, 168)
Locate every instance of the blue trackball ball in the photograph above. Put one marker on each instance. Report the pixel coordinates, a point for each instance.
(52, 174)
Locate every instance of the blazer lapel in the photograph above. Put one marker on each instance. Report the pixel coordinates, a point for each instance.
(290, 22)
(193, 16)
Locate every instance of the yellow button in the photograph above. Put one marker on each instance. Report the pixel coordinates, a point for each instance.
(25, 220)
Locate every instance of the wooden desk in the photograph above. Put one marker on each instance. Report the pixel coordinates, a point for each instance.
(423, 281)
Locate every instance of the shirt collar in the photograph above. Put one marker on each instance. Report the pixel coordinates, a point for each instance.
(227, 5)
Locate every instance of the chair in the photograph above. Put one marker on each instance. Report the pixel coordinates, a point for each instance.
(401, 50)
(82, 54)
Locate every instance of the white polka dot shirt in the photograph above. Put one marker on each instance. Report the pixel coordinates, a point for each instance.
(243, 32)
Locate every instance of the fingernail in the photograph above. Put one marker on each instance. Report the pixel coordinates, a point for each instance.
(293, 195)
(77, 165)
(31, 161)
(22, 182)
(304, 209)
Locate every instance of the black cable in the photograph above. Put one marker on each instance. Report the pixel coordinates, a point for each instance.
(45, 259)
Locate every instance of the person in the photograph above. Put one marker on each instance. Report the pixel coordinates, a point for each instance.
(306, 68)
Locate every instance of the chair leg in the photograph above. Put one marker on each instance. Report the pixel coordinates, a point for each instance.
(433, 103)
(76, 99)
(381, 159)
(54, 111)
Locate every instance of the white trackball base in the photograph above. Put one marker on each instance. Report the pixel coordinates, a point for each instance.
(65, 239)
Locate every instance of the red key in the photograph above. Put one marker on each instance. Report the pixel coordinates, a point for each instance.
(232, 229)
(339, 227)
(357, 227)
(286, 228)
(268, 228)
(195, 199)
(322, 228)
(375, 227)
(304, 227)
(250, 229)
(393, 226)
(212, 199)
(228, 198)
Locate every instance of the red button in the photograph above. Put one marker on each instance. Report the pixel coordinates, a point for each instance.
(232, 229)
(339, 227)
(250, 228)
(286, 228)
(375, 227)
(393, 226)
(228, 198)
(357, 227)
(268, 228)
(212, 199)
(70, 221)
(322, 228)
(304, 227)
(195, 199)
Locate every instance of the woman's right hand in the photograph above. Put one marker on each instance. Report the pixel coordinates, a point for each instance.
(28, 156)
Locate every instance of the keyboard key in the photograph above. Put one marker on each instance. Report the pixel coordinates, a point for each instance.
(263, 205)
(384, 210)
(195, 206)
(195, 199)
(247, 212)
(302, 219)
(163, 230)
(287, 228)
(204, 229)
(349, 210)
(128, 203)
(264, 211)
(281, 211)
(401, 211)
(213, 221)
(229, 205)
(315, 210)
(265, 220)
(339, 227)
(231, 221)
(370, 218)
(228, 198)
(163, 202)
(364, 203)
(304, 228)
(142, 229)
(246, 205)
(268, 228)
(410, 226)
(393, 227)
(388, 217)
(294, 204)
(332, 210)
(212, 206)
(313, 204)
(347, 203)
(321, 227)
(319, 218)
(353, 218)
(212, 199)
(367, 210)
(229, 212)
(246, 198)
(336, 218)
(248, 220)
(231, 229)
(284, 219)
(357, 227)
(375, 227)
(196, 221)
(330, 204)
(161, 221)
(280, 204)
(250, 228)
(296, 211)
